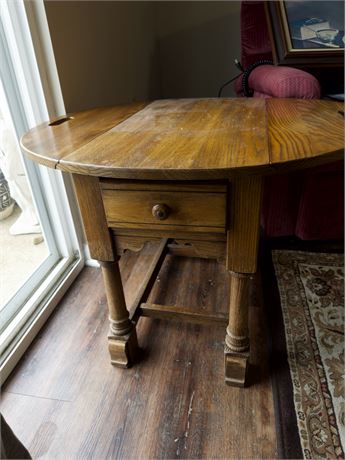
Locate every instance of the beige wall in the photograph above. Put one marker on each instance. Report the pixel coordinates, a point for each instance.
(198, 42)
(111, 52)
(105, 51)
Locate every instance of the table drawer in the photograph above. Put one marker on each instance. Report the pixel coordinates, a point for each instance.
(166, 206)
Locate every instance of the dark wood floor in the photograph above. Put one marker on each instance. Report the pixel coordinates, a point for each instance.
(66, 401)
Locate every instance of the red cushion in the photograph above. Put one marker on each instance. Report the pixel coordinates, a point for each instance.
(284, 82)
(287, 82)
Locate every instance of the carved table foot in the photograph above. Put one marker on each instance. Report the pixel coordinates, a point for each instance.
(123, 349)
(236, 367)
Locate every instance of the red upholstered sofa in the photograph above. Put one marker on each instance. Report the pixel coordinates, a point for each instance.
(308, 204)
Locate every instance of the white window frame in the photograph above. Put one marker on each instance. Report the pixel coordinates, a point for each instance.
(36, 97)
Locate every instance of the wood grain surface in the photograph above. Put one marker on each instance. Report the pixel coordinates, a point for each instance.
(203, 249)
(94, 220)
(48, 143)
(65, 401)
(203, 211)
(180, 313)
(165, 186)
(118, 312)
(151, 274)
(159, 233)
(183, 136)
(244, 231)
(191, 138)
(302, 130)
(193, 247)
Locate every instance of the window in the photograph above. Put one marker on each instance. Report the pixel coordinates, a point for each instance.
(23, 100)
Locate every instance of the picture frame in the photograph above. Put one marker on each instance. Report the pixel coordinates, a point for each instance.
(306, 33)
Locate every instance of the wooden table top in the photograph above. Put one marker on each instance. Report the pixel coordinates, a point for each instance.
(191, 138)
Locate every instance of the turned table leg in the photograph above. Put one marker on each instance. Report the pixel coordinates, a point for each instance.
(237, 332)
(242, 247)
(122, 335)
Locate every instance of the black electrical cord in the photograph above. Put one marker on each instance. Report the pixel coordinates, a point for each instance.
(227, 83)
(245, 78)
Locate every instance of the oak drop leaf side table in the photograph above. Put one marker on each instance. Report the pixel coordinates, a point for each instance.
(188, 173)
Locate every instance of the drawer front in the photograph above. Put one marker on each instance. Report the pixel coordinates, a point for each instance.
(197, 211)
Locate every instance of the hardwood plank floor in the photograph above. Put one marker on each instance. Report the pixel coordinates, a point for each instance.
(65, 400)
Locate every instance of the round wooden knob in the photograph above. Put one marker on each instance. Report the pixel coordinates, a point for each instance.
(160, 211)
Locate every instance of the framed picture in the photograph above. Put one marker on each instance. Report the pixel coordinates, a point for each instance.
(307, 32)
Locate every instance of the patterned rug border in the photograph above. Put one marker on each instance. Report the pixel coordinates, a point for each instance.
(294, 261)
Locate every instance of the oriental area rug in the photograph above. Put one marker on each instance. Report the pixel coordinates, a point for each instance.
(309, 387)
